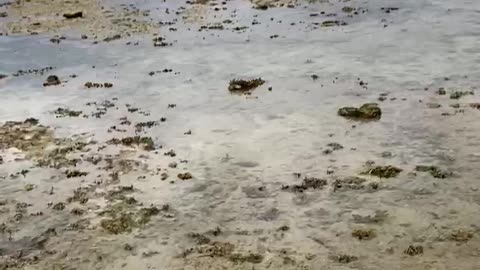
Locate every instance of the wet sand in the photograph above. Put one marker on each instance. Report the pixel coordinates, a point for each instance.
(143, 159)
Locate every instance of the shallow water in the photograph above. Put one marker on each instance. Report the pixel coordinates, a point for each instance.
(239, 144)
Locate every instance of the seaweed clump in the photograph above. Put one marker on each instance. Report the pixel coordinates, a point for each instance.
(145, 142)
(240, 86)
(368, 111)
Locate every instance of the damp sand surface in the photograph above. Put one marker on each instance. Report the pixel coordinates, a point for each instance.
(137, 156)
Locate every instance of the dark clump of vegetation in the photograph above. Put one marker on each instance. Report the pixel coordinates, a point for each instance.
(240, 86)
(145, 142)
(368, 111)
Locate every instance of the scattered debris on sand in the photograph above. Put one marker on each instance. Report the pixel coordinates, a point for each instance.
(87, 17)
(368, 111)
(64, 112)
(245, 87)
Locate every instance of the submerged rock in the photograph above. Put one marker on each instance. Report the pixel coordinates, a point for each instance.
(241, 86)
(368, 111)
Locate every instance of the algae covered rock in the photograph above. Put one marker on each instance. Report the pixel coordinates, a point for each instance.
(368, 111)
(383, 171)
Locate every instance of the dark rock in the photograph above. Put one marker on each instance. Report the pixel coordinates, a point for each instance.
(52, 80)
(73, 15)
(185, 176)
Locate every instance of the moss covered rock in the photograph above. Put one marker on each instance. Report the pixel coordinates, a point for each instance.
(368, 111)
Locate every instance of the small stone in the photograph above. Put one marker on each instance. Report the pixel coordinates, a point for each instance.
(29, 187)
(59, 206)
(185, 176)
